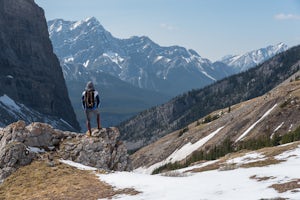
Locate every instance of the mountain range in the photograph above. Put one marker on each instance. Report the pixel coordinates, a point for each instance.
(250, 59)
(268, 120)
(137, 60)
(156, 122)
(143, 63)
(86, 50)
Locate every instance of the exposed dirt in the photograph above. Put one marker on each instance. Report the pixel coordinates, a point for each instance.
(292, 186)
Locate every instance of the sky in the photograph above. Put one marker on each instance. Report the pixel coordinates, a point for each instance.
(214, 28)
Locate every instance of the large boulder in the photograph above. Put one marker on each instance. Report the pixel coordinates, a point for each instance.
(102, 150)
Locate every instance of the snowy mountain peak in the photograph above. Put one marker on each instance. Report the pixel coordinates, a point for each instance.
(250, 59)
(60, 25)
(88, 22)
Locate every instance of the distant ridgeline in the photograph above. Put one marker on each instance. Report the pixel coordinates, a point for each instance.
(189, 107)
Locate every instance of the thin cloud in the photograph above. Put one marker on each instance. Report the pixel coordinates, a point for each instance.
(283, 16)
(168, 27)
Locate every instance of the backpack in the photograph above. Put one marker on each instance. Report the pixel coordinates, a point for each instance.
(89, 99)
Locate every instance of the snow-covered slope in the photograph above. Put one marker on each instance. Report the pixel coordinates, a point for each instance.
(270, 173)
(250, 59)
(230, 179)
(137, 60)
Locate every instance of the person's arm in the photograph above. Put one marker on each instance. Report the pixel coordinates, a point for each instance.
(97, 100)
(82, 100)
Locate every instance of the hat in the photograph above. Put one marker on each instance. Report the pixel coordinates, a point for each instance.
(89, 86)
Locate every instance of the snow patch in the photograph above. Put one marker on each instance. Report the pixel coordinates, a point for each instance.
(78, 165)
(288, 154)
(248, 158)
(9, 102)
(114, 57)
(180, 154)
(276, 129)
(290, 128)
(35, 150)
(59, 28)
(69, 59)
(206, 74)
(158, 58)
(253, 125)
(76, 25)
(86, 63)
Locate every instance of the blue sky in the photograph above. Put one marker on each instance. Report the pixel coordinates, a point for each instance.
(214, 28)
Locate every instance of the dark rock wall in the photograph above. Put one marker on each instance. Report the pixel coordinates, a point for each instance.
(30, 71)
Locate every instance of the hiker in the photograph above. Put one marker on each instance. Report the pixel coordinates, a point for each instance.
(90, 103)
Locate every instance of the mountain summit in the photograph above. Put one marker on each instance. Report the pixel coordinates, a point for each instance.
(250, 59)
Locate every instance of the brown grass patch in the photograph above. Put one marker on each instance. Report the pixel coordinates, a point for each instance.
(274, 151)
(262, 163)
(210, 167)
(288, 186)
(39, 181)
(262, 178)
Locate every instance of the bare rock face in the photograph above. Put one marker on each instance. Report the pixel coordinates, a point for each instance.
(30, 71)
(108, 151)
(21, 144)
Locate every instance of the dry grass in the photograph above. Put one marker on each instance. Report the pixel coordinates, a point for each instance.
(174, 174)
(39, 181)
(210, 167)
(288, 186)
(261, 178)
(261, 163)
(275, 151)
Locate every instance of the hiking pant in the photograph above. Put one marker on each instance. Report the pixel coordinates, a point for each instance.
(90, 112)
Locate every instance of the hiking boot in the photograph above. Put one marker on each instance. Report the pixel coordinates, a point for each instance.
(88, 134)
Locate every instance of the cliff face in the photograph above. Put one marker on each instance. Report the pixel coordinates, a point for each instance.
(30, 71)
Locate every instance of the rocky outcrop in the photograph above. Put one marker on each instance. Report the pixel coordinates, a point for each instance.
(21, 144)
(102, 150)
(30, 71)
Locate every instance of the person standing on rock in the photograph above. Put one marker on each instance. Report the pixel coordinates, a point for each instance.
(90, 103)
